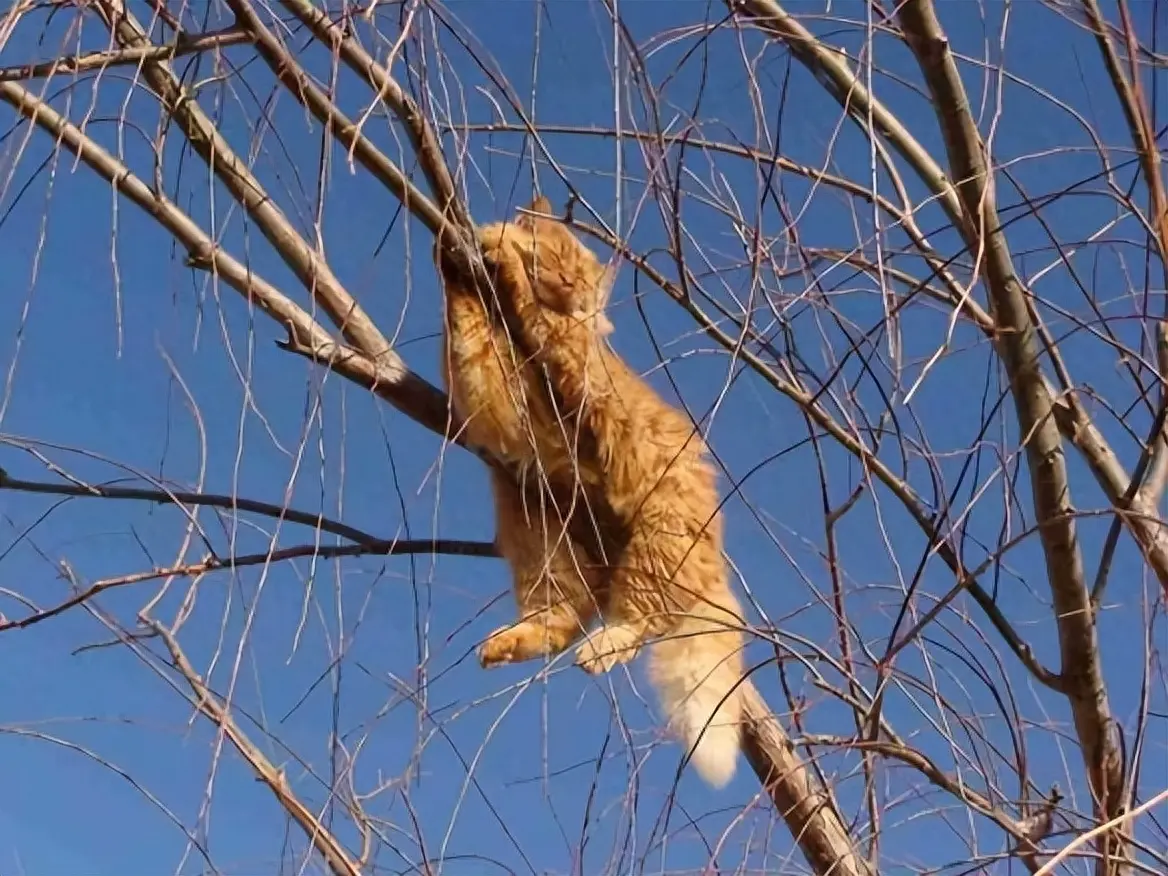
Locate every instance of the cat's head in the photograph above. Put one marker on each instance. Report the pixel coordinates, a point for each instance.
(565, 274)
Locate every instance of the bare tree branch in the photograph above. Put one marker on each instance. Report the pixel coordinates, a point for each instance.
(805, 806)
(338, 859)
(184, 44)
(422, 136)
(182, 497)
(310, 268)
(897, 750)
(843, 85)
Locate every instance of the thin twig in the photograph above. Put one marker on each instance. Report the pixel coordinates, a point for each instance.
(923, 764)
(1153, 489)
(389, 548)
(182, 497)
(1048, 868)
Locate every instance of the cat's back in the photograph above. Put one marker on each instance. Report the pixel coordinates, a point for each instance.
(653, 445)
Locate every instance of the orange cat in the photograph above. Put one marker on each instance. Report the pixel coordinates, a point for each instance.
(574, 410)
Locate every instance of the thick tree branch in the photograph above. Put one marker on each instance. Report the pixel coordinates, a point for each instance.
(1019, 351)
(1141, 518)
(299, 85)
(387, 374)
(803, 803)
(209, 144)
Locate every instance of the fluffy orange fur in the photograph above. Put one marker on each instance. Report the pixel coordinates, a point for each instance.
(571, 411)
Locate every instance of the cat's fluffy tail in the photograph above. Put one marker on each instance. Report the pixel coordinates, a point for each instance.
(697, 671)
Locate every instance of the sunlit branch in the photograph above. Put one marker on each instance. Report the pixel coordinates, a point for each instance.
(421, 134)
(386, 374)
(212, 147)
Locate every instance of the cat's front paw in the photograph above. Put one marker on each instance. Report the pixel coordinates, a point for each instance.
(528, 640)
(501, 646)
(606, 648)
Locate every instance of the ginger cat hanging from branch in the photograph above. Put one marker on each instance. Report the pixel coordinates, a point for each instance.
(543, 392)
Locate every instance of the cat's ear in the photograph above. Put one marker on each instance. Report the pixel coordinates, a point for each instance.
(539, 205)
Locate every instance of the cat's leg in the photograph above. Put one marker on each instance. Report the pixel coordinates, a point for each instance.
(650, 589)
(484, 379)
(553, 585)
(552, 334)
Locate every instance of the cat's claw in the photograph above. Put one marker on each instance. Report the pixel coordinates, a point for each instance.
(607, 648)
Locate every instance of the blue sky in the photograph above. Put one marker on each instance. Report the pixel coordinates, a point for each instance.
(505, 762)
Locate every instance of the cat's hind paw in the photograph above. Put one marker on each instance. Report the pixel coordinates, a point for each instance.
(606, 648)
